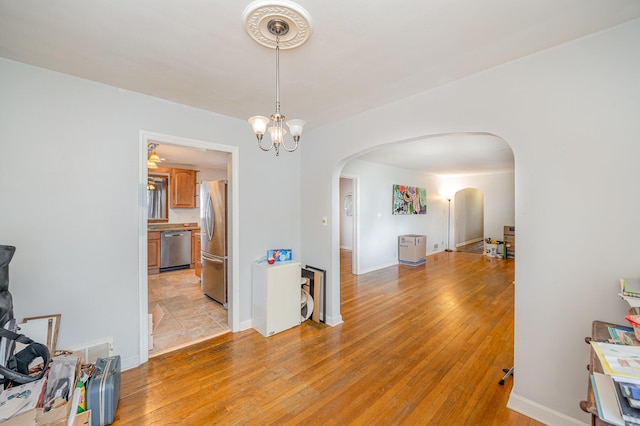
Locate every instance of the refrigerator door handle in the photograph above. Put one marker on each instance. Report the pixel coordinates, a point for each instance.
(209, 216)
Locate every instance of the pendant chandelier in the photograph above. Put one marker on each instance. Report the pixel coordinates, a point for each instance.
(277, 25)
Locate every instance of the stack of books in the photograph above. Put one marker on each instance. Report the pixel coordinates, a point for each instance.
(630, 291)
(617, 392)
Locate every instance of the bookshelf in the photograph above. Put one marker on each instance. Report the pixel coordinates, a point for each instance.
(599, 331)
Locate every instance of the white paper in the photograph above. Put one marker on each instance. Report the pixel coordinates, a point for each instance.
(608, 409)
(20, 399)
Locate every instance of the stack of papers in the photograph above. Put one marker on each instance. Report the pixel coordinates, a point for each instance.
(616, 391)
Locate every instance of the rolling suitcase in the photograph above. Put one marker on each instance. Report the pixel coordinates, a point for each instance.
(103, 391)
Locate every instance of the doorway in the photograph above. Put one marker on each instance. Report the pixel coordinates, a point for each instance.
(232, 315)
(349, 219)
(468, 235)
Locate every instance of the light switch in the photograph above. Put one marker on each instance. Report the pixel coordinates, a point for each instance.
(324, 221)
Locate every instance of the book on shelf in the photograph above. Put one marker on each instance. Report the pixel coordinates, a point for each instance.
(630, 287)
(622, 336)
(629, 414)
(634, 302)
(621, 362)
(631, 391)
(606, 400)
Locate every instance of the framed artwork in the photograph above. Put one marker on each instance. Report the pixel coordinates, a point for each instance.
(49, 325)
(409, 200)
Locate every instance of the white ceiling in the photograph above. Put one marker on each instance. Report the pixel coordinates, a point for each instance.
(368, 53)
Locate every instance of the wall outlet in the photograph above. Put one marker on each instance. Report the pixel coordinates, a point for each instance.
(435, 246)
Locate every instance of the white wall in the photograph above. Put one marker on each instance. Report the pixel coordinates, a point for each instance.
(74, 220)
(469, 216)
(379, 228)
(499, 199)
(570, 115)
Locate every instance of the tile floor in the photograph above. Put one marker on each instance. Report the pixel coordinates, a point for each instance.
(189, 315)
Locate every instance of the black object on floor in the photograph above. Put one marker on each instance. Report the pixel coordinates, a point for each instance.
(509, 372)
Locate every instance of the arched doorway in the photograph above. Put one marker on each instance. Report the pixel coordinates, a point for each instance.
(468, 222)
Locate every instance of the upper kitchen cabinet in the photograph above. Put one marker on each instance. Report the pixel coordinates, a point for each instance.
(183, 189)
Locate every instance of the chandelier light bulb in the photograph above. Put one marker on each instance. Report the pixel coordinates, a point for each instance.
(259, 124)
(295, 126)
(277, 134)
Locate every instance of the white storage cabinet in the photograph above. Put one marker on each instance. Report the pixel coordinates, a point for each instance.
(276, 297)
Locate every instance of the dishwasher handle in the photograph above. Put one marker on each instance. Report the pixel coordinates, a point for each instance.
(179, 234)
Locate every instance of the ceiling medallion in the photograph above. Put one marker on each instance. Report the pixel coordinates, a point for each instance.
(259, 14)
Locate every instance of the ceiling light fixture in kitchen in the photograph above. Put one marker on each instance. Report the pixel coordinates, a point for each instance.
(153, 159)
(277, 24)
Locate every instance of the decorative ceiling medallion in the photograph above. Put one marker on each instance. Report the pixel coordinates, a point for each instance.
(258, 14)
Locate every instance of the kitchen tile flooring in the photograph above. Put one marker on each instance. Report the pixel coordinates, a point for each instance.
(189, 316)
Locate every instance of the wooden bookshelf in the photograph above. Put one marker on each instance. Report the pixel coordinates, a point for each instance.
(599, 331)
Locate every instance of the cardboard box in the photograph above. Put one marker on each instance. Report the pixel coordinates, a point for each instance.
(412, 249)
(57, 416)
(510, 241)
(279, 255)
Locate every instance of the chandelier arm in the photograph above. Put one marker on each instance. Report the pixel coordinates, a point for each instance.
(263, 148)
(295, 146)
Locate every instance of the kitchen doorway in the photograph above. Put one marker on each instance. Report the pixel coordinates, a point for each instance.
(187, 316)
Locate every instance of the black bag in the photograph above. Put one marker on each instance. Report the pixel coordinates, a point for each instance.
(15, 366)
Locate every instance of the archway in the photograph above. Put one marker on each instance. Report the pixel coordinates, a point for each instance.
(452, 162)
(468, 222)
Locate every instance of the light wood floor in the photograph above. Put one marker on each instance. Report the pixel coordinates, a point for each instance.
(421, 345)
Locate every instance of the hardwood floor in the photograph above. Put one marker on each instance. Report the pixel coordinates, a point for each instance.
(421, 345)
(477, 247)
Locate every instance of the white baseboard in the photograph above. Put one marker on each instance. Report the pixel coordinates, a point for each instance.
(544, 414)
(333, 321)
(129, 363)
(464, 243)
(375, 268)
(245, 325)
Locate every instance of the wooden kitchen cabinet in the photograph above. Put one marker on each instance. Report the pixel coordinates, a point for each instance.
(153, 252)
(195, 250)
(183, 189)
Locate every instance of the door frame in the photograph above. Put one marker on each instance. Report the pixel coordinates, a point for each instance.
(355, 190)
(232, 229)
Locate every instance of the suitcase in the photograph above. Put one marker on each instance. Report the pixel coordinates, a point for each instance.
(103, 391)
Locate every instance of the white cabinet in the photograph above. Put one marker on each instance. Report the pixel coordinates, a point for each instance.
(276, 296)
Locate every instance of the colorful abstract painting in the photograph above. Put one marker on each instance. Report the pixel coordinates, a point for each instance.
(409, 200)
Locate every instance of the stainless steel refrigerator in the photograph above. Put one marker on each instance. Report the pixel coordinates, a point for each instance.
(213, 255)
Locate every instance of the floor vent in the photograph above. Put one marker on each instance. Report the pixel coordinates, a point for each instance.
(93, 351)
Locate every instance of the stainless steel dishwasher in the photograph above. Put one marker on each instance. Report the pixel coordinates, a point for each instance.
(175, 250)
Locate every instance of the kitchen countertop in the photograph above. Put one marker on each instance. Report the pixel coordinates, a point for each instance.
(172, 226)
